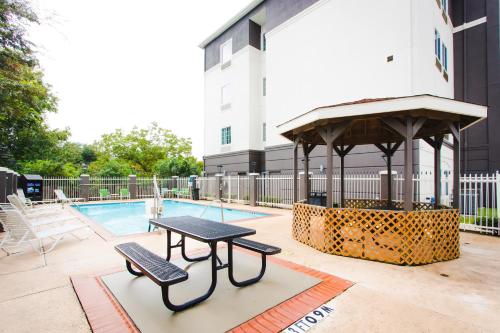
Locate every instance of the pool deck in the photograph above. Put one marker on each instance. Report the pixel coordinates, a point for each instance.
(462, 295)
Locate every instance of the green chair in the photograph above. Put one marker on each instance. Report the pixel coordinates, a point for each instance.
(175, 191)
(124, 194)
(103, 193)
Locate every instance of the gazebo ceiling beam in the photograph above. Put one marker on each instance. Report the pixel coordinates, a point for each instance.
(396, 125)
(334, 131)
(455, 130)
(436, 142)
(418, 125)
(342, 150)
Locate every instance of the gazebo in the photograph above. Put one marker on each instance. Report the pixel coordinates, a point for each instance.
(404, 232)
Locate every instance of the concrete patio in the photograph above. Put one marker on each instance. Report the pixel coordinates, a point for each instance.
(459, 295)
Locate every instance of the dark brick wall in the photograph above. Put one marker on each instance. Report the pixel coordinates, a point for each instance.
(477, 80)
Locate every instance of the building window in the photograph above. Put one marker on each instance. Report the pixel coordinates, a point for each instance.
(264, 132)
(437, 44)
(225, 97)
(226, 136)
(445, 57)
(226, 53)
(264, 87)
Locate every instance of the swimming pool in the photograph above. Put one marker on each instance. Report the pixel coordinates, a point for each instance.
(126, 218)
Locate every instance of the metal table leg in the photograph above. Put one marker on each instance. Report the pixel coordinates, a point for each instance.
(188, 304)
(231, 264)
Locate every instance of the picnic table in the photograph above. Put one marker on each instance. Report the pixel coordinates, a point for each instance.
(165, 273)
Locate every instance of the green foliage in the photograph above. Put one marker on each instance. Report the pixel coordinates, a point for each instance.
(178, 166)
(88, 154)
(24, 97)
(110, 168)
(28, 145)
(50, 168)
(143, 148)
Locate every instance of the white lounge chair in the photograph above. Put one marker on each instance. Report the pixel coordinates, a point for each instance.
(35, 211)
(20, 233)
(26, 201)
(42, 220)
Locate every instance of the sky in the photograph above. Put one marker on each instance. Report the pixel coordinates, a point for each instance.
(119, 64)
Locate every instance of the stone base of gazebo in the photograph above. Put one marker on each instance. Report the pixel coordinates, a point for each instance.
(393, 236)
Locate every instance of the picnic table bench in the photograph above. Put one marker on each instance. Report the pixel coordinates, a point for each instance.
(164, 273)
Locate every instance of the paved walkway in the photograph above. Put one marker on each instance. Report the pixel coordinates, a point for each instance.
(460, 295)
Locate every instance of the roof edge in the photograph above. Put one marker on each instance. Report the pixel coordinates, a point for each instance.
(251, 6)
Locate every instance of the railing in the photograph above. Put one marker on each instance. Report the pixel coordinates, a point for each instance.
(70, 187)
(479, 194)
(208, 187)
(145, 188)
(275, 191)
(236, 189)
(480, 203)
(99, 185)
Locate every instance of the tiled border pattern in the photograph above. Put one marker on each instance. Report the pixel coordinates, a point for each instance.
(105, 314)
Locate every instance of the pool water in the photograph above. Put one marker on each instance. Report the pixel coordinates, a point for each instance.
(128, 218)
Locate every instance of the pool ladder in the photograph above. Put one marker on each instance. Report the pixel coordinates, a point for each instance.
(211, 205)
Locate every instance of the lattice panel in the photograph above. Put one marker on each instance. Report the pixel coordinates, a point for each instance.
(398, 237)
(381, 204)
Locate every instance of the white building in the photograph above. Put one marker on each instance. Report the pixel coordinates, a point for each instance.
(278, 59)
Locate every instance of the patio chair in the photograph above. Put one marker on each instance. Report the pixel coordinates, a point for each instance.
(61, 197)
(104, 194)
(41, 220)
(20, 233)
(124, 194)
(33, 211)
(165, 192)
(22, 197)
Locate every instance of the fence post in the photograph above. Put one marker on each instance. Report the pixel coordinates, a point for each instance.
(218, 187)
(15, 176)
(252, 179)
(85, 187)
(3, 185)
(132, 186)
(174, 182)
(497, 178)
(8, 185)
(228, 189)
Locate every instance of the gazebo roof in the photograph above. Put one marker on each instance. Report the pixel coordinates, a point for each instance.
(366, 120)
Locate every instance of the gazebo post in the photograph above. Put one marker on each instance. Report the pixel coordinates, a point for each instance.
(329, 174)
(307, 148)
(329, 135)
(408, 184)
(306, 171)
(342, 178)
(342, 152)
(455, 131)
(389, 175)
(438, 143)
(296, 169)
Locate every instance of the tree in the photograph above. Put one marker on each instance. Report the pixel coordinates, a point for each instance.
(142, 148)
(178, 166)
(88, 154)
(50, 168)
(110, 168)
(24, 97)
